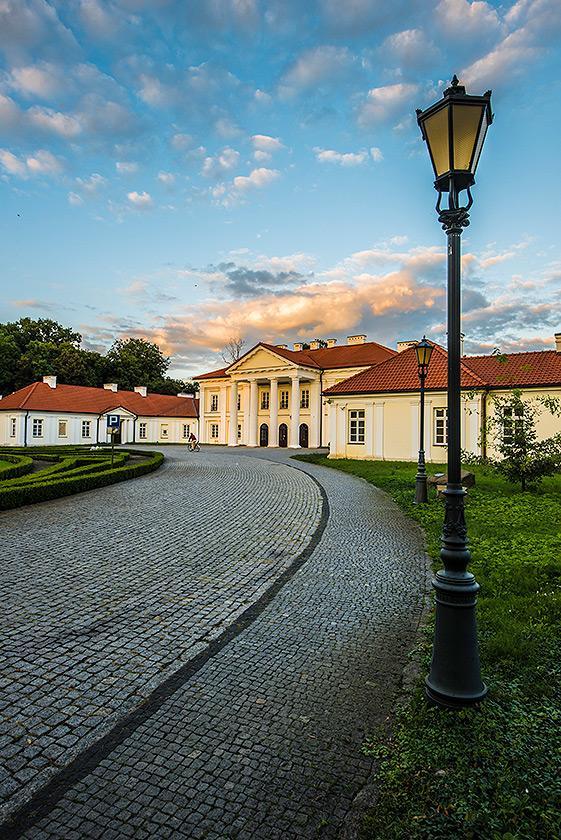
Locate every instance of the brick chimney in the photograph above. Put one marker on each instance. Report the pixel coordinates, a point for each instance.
(140, 389)
(298, 345)
(50, 381)
(282, 346)
(314, 345)
(356, 339)
(110, 386)
(404, 345)
(558, 342)
(331, 342)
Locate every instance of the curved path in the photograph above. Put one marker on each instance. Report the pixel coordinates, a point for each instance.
(256, 731)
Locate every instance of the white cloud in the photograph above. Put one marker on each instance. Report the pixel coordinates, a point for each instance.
(467, 20)
(262, 157)
(257, 179)
(383, 103)
(182, 142)
(42, 162)
(315, 67)
(376, 154)
(126, 167)
(166, 178)
(44, 79)
(74, 199)
(215, 167)
(410, 48)
(142, 201)
(12, 164)
(265, 143)
(92, 184)
(341, 158)
(55, 122)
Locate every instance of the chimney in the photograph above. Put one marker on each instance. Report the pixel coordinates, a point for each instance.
(282, 346)
(314, 345)
(404, 345)
(50, 381)
(331, 342)
(558, 342)
(140, 389)
(110, 386)
(356, 339)
(298, 345)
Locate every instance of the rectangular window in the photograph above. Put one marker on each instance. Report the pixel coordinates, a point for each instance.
(13, 423)
(440, 426)
(214, 402)
(356, 426)
(86, 428)
(265, 400)
(305, 398)
(513, 423)
(284, 399)
(37, 428)
(239, 401)
(186, 430)
(239, 431)
(142, 428)
(164, 431)
(214, 431)
(63, 428)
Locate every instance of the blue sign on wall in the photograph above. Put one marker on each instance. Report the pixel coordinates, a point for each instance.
(113, 421)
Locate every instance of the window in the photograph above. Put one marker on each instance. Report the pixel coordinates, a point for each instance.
(63, 428)
(37, 428)
(214, 431)
(142, 427)
(13, 423)
(86, 428)
(305, 398)
(214, 402)
(356, 426)
(164, 431)
(239, 401)
(440, 426)
(239, 431)
(186, 430)
(284, 399)
(265, 400)
(513, 423)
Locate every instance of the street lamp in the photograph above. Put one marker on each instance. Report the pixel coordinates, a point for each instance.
(423, 351)
(454, 129)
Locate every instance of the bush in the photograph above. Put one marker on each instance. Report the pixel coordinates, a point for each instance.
(22, 465)
(86, 477)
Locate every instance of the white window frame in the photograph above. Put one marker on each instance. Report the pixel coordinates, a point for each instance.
(37, 427)
(186, 430)
(440, 426)
(214, 431)
(265, 400)
(61, 422)
(514, 420)
(283, 398)
(357, 426)
(86, 427)
(142, 430)
(13, 426)
(164, 431)
(305, 398)
(214, 402)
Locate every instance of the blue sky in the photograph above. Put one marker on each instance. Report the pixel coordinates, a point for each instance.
(192, 171)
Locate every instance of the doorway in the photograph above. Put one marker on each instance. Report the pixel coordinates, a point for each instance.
(303, 435)
(283, 434)
(263, 435)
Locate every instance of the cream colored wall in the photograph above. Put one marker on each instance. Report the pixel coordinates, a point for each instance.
(547, 424)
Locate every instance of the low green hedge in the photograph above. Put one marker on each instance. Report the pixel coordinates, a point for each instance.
(88, 477)
(77, 466)
(22, 465)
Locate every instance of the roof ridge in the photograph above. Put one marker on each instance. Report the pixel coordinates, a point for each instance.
(30, 392)
(515, 353)
(471, 372)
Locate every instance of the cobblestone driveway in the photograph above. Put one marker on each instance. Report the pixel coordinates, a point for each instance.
(263, 740)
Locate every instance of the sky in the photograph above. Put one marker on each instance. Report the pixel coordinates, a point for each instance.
(189, 172)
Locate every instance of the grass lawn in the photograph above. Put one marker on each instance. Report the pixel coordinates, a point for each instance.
(493, 771)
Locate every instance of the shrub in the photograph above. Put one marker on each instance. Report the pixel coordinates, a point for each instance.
(22, 465)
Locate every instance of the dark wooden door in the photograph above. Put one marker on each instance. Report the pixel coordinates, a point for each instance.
(283, 434)
(303, 436)
(264, 435)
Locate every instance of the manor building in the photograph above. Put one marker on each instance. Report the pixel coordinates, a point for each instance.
(272, 395)
(47, 413)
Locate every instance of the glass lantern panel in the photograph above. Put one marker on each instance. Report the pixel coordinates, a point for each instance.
(424, 353)
(436, 129)
(465, 124)
(480, 139)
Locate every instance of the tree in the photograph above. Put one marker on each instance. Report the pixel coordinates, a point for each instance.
(28, 348)
(233, 349)
(134, 361)
(525, 459)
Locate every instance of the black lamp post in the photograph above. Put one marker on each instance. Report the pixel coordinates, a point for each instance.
(423, 351)
(454, 129)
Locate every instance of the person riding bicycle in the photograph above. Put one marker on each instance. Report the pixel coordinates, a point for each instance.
(192, 442)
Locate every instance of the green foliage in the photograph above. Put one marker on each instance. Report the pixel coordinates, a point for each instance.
(16, 465)
(135, 361)
(494, 771)
(74, 470)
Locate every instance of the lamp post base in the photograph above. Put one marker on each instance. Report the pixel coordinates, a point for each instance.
(448, 701)
(421, 489)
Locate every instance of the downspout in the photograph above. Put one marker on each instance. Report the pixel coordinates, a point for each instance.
(25, 428)
(134, 428)
(484, 423)
(97, 429)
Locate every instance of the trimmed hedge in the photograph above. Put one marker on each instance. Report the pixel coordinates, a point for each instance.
(22, 465)
(86, 477)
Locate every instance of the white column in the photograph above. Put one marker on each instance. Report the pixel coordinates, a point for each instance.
(294, 442)
(274, 413)
(222, 406)
(252, 436)
(315, 413)
(379, 433)
(233, 433)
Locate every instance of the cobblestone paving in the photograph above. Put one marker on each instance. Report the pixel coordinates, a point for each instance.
(264, 741)
(107, 593)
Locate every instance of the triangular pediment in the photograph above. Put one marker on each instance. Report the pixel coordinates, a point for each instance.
(261, 358)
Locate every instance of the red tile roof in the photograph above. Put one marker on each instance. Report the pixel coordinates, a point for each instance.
(76, 398)
(400, 372)
(324, 358)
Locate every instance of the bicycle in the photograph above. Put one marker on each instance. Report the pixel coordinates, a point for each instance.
(195, 447)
